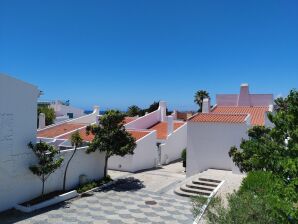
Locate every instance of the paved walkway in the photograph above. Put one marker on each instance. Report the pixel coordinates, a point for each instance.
(145, 197)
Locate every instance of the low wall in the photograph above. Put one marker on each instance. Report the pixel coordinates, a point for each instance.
(174, 144)
(146, 121)
(144, 156)
(21, 185)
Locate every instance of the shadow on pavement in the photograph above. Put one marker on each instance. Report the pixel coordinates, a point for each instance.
(125, 184)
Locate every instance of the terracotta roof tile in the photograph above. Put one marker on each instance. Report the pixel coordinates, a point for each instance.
(57, 130)
(88, 138)
(257, 113)
(219, 118)
(162, 128)
(129, 119)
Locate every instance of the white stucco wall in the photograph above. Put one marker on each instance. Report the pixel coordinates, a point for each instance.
(145, 121)
(18, 123)
(208, 145)
(171, 149)
(144, 156)
(62, 110)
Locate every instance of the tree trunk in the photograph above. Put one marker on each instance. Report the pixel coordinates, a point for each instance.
(42, 191)
(66, 168)
(106, 166)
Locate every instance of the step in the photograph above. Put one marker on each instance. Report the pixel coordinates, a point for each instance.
(209, 180)
(187, 194)
(205, 183)
(195, 191)
(198, 186)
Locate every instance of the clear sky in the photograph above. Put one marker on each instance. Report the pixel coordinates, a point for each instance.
(119, 53)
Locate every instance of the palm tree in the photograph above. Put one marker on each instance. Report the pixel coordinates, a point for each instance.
(76, 141)
(199, 96)
(133, 111)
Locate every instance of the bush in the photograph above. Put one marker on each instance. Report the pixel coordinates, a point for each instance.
(262, 198)
(92, 184)
(183, 154)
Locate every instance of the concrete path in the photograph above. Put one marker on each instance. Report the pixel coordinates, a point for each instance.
(144, 197)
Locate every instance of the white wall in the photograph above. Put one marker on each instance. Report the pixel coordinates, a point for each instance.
(208, 145)
(62, 110)
(144, 156)
(18, 124)
(174, 145)
(145, 121)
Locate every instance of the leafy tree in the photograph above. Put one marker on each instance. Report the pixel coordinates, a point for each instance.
(273, 149)
(153, 107)
(76, 141)
(47, 163)
(199, 96)
(49, 113)
(111, 137)
(133, 111)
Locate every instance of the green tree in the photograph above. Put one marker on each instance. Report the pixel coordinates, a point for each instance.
(111, 137)
(49, 113)
(133, 111)
(273, 149)
(76, 141)
(153, 107)
(47, 161)
(199, 96)
(262, 198)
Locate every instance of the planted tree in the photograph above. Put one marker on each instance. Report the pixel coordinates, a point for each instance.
(47, 161)
(133, 111)
(273, 149)
(111, 137)
(48, 112)
(76, 142)
(199, 97)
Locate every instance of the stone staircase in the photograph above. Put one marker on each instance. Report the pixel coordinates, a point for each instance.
(199, 186)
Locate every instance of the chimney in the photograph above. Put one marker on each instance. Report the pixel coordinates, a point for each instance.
(244, 98)
(41, 120)
(206, 105)
(170, 124)
(163, 110)
(96, 110)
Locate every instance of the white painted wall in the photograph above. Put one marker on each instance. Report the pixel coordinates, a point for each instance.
(174, 144)
(18, 123)
(62, 110)
(145, 121)
(144, 156)
(87, 119)
(208, 145)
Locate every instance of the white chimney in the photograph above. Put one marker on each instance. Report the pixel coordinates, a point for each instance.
(244, 98)
(41, 120)
(206, 105)
(96, 110)
(163, 110)
(170, 124)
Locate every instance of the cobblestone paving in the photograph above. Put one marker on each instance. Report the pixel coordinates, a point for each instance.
(123, 203)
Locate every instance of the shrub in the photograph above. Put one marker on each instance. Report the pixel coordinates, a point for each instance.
(92, 184)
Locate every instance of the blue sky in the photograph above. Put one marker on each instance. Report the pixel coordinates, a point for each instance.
(119, 53)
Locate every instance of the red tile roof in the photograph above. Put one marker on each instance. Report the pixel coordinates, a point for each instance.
(162, 128)
(219, 118)
(233, 114)
(257, 113)
(129, 119)
(58, 130)
(88, 138)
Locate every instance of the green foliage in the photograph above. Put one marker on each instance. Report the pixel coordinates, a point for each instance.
(111, 137)
(262, 198)
(274, 149)
(153, 107)
(47, 161)
(76, 141)
(183, 154)
(92, 184)
(199, 96)
(49, 113)
(134, 111)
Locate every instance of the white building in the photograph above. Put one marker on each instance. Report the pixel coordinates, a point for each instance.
(18, 117)
(212, 133)
(63, 110)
